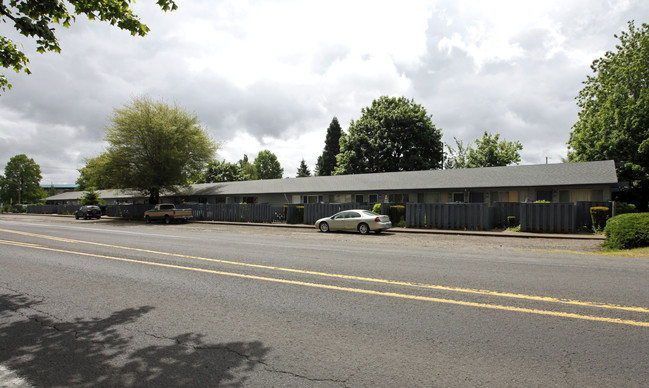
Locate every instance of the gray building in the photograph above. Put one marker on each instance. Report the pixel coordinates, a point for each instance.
(564, 182)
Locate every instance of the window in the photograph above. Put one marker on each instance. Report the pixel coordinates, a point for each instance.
(458, 197)
(544, 195)
(374, 198)
(312, 199)
(564, 196)
(397, 198)
(476, 197)
(360, 198)
(249, 200)
(598, 195)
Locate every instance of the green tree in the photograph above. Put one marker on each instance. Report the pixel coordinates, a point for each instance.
(614, 117)
(37, 19)
(21, 181)
(95, 174)
(248, 169)
(303, 170)
(221, 172)
(327, 162)
(267, 166)
(490, 152)
(393, 134)
(456, 158)
(155, 147)
(91, 197)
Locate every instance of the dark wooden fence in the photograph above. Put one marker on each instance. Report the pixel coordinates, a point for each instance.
(533, 217)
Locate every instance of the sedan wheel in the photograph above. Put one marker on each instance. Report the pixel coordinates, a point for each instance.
(363, 228)
(324, 227)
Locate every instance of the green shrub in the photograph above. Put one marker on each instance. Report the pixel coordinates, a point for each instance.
(377, 208)
(623, 208)
(599, 215)
(627, 231)
(397, 214)
(512, 222)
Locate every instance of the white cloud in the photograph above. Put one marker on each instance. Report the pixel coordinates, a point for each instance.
(265, 74)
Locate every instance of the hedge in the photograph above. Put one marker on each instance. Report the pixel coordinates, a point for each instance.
(627, 231)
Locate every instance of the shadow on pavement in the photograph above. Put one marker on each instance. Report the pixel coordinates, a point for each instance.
(96, 352)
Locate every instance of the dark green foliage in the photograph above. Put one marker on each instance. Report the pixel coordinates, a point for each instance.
(267, 166)
(327, 162)
(627, 231)
(91, 197)
(623, 208)
(397, 214)
(614, 117)
(512, 222)
(393, 134)
(599, 215)
(37, 19)
(303, 170)
(248, 171)
(221, 172)
(21, 182)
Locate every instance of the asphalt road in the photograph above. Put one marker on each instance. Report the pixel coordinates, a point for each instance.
(105, 303)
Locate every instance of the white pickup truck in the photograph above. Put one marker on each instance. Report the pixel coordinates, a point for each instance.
(168, 213)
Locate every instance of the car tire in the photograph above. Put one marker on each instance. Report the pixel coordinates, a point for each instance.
(363, 228)
(76, 216)
(324, 227)
(167, 220)
(147, 219)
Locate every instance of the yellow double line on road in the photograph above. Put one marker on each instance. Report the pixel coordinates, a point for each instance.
(349, 277)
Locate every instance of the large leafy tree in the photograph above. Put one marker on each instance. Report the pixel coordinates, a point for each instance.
(489, 151)
(217, 171)
(267, 166)
(21, 181)
(327, 162)
(393, 134)
(36, 19)
(95, 174)
(154, 147)
(248, 169)
(614, 117)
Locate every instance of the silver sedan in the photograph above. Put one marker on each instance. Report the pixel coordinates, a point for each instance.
(363, 221)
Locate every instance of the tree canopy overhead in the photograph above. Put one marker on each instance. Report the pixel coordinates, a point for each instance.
(21, 182)
(614, 117)
(36, 19)
(155, 147)
(393, 134)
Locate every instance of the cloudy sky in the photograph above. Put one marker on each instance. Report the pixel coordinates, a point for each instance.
(271, 74)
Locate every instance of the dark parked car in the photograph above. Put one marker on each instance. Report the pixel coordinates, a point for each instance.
(87, 212)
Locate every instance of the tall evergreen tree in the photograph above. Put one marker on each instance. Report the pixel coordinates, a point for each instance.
(303, 170)
(327, 161)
